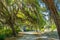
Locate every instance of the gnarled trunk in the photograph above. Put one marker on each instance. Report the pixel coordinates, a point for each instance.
(54, 13)
(13, 30)
(11, 24)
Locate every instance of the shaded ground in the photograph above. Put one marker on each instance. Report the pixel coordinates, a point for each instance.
(52, 34)
(45, 36)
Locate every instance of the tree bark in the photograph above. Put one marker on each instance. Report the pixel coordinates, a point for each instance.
(54, 13)
(11, 23)
(13, 30)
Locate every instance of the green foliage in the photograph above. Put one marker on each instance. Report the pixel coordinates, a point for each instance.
(53, 27)
(2, 36)
(9, 2)
(8, 32)
(19, 13)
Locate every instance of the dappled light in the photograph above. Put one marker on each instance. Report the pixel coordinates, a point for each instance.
(29, 20)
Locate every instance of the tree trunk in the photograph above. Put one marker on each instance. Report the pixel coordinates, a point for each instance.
(13, 30)
(54, 13)
(11, 22)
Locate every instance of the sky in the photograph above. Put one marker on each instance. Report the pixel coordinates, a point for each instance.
(57, 4)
